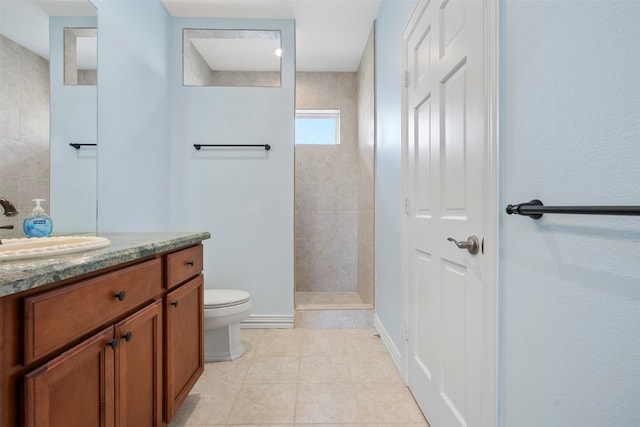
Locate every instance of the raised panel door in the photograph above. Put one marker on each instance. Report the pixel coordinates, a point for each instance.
(184, 346)
(138, 369)
(75, 388)
(446, 150)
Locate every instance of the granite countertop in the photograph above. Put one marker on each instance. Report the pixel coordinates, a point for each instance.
(21, 275)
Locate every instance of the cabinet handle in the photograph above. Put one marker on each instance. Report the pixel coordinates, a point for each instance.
(175, 303)
(113, 344)
(120, 295)
(127, 336)
(190, 263)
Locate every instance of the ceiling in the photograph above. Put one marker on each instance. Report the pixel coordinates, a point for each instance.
(330, 34)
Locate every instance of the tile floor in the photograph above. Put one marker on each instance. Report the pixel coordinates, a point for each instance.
(303, 377)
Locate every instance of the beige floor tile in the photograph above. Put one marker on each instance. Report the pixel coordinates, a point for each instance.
(373, 371)
(340, 333)
(326, 403)
(313, 377)
(251, 335)
(263, 425)
(212, 409)
(279, 345)
(273, 370)
(424, 424)
(329, 425)
(277, 333)
(182, 417)
(343, 342)
(365, 346)
(321, 345)
(391, 403)
(264, 404)
(324, 369)
(222, 372)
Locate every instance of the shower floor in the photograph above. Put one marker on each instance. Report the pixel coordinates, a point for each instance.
(332, 310)
(330, 301)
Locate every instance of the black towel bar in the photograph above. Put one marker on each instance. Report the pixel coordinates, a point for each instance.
(77, 146)
(199, 146)
(535, 209)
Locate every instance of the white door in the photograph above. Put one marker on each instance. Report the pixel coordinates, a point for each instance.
(447, 186)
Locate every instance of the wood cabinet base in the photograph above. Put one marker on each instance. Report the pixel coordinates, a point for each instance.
(76, 361)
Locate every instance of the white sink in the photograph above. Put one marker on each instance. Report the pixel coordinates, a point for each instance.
(38, 247)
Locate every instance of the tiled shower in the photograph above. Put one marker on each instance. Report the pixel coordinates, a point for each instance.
(334, 199)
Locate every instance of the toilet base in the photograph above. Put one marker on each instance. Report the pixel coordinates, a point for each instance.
(223, 344)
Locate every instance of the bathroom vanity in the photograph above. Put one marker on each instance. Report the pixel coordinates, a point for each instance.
(110, 337)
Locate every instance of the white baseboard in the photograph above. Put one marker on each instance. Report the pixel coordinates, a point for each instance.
(388, 343)
(268, 321)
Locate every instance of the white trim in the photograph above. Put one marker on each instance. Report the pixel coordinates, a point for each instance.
(492, 87)
(491, 93)
(404, 317)
(393, 351)
(268, 321)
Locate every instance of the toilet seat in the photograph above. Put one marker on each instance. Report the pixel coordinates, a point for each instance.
(220, 298)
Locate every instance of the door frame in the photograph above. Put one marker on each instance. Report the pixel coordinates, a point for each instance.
(491, 101)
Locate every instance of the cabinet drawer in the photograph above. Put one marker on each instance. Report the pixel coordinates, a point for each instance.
(183, 265)
(55, 318)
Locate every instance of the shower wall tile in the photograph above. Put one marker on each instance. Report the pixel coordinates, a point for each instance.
(33, 83)
(335, 185)
(34, 128)
(9, 119)
(10, 70)
(326, 192)
(366, 173)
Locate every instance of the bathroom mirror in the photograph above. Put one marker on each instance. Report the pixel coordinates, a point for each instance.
(37, 118)
(236, 58)
(81, 56)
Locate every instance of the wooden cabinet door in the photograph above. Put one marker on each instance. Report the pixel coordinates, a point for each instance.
(138, 369)
(75, 388)
(184, 351)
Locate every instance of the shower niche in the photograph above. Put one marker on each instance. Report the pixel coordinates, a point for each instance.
(232, 58)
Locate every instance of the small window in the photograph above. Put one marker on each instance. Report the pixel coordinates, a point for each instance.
(319, 127)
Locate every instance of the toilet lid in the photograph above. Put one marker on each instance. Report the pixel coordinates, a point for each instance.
(216, 298)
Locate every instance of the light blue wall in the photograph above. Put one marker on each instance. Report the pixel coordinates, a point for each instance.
(390, 23)
(243, 197)
(570, 285)
(73, 118)
(151, 178)
(134, 127)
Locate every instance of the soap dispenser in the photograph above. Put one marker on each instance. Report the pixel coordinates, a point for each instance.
(38, 223)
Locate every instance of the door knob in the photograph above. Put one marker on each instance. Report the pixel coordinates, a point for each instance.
(471, 244)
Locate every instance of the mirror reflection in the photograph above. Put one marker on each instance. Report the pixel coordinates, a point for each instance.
(237, 58)
(38, 119)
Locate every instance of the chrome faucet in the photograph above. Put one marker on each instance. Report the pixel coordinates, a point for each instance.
(9, 210)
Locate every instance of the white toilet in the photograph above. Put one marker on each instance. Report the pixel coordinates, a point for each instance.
(224, 309)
